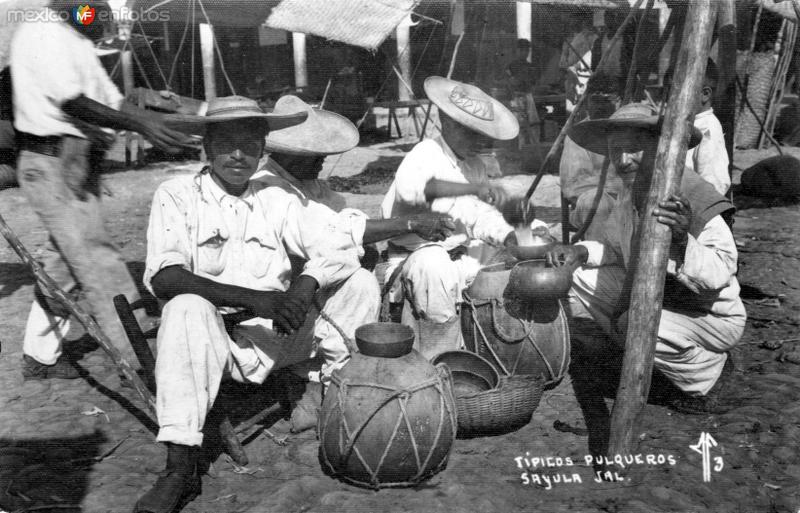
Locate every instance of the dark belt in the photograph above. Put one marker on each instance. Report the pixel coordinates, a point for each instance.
(46, 145)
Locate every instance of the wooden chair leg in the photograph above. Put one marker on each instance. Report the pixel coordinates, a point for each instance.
(142, 349)
(137, 340)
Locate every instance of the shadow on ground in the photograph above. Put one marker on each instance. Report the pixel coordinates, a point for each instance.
(13, 276)
(47, 475)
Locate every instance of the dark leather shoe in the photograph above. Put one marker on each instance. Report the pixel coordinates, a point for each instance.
(170, 493)
(62, 369)
(709, 403)
(178, 484)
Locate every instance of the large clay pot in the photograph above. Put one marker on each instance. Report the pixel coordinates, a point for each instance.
(520, 338)
(389, 416)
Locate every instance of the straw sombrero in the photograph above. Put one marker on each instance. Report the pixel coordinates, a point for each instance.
(634, 123)
(232, 108)
(322, 133)
(472, 108)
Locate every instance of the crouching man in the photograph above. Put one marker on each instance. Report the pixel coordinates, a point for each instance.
(218, 242)
(703, 317)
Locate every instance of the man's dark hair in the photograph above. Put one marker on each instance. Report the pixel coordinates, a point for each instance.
(523, 44)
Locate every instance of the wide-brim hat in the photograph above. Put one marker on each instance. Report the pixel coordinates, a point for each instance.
(634, 124)
(472, 108)
(233, 108)
(322, 133)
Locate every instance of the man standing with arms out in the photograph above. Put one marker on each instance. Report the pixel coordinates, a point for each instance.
(62, 96)
(220, 242)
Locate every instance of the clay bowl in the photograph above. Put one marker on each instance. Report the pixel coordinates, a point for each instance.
(533, 280)
(471, 373)
(530, 252)
(466, 383)
(384, 339)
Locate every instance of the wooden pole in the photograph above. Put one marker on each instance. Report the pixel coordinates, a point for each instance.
(403, 37)
(207, 55)
(299, 55)
(132, 146)
(85, 319)
(725, 96)
(654, 238)
(524, 21)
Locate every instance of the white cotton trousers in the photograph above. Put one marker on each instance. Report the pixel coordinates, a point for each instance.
(691, 347)
(195, 351)
(431, 281)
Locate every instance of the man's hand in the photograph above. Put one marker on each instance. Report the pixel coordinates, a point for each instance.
(567, 256)
(677, 214)
(288, 309)
(431, 226)
(492, 194)
(162, 137)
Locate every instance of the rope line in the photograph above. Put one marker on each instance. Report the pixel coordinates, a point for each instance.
(153, 54)
(180, 48)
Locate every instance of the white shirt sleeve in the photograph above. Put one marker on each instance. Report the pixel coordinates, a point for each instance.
(307, 233)
(482, 221)
(167, 238)
(599, 253)
(710, 260)
(416, 170)
(710, 158)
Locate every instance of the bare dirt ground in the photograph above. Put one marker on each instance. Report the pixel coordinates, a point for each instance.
(87, 443)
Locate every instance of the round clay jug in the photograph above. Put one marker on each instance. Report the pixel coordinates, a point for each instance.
(533, 280)
(520, 338)
(389, 416)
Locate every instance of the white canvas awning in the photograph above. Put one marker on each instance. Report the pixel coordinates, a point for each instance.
(364, 23)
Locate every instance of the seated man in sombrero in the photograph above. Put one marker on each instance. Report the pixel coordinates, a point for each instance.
(703, 317)
(445, 175)
(219, 242)
(296, 156)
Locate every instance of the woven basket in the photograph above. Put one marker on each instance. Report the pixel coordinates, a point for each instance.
(499, 410)
(759, 79)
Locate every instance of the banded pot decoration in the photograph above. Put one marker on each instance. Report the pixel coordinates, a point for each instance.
(521, 336)
(389, 416)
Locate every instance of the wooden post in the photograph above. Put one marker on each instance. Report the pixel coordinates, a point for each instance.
(132, 147)
(403, 35)
(654, 238)
(299, 53)
(207, 54)
(725, 96)
(524, 21)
